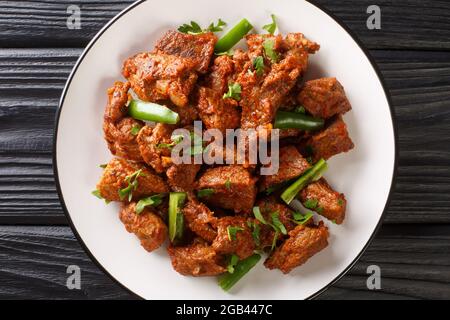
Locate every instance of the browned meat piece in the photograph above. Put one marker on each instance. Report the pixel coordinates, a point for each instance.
(115, 175)
(221, 74)
(151, 143)
(147, 226)
(216, 112)
(241, 242)
(270, 205)
(240, 60)
(324, 98)
(187, 114)
(255, 44)
(298, 41)
(198, 48)
(196, 260)
(181, 177)
(200, 219)
(331, 204)
(292, 165)
(260, 102)
(118, 127)
(333, 140)
(303, 243)
(234, 188)
(156, 77)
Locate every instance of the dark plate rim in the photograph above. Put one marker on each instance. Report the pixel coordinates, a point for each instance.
(131, 7)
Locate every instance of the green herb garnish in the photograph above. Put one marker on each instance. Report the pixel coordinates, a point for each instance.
(302, 219)
(195, 29)
(132, 181)
(135, 130)
(152, 201)
(340, 202)
(269, 49)
(234, 92)
(300, 109)
(228, 184)
(277, 223)
(258, 65)
(205, 193)
(271, 27)
(103, 166)
(234, 259)
(311, 204)
(232, 231)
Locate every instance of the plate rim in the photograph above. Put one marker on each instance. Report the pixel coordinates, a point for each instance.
(124, 12)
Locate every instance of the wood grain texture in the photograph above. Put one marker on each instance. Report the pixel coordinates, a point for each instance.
(31, 81)
(34, 260)
(43, 23)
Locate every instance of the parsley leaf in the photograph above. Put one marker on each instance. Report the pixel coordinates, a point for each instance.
(234, 259)
(97, 194)
(228, 184)
(205, 193)
(274, 241)
(153, 201)
(217, 28)
(258, 215)
(311, 204)
(302, 219)
(135, 130)
(271, 27)
(234, 92)
(176, 139)
(258, 65)
(269, 49)
(103, 166)
(232, 231)
(255, 232)
(277, 223)
(132, 181)
(195, 29)
(340, 202)
(300, 109)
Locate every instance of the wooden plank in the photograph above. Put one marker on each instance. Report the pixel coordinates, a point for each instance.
(31, 81)
(44, 23)
(34, 260)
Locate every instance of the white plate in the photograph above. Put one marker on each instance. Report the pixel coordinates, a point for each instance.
(365, 175)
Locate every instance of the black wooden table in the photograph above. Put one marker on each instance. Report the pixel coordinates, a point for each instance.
(37, 52)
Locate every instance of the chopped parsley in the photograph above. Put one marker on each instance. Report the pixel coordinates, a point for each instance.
(258, 65)
(232, 231)
(132, 181)
(277, 223)
(176, 139)
(228, 184)
(269, 49)
(194, 28)
(205, 193)
(302, 219)
(234, 92)
(300, 109)
(135, 130)
(311, 204)
(103, 166)
(271, 27)
(340, 202)
(234, 259)
(97, 194)
(258, 215)
(153, 201)
(319, 210)
(255, 232)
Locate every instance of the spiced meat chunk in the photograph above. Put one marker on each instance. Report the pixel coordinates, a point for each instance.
(182, 177)
(291, 165)
(324, 98)
(196, 260)
(233, 187)
(325, 201)
(331, 141)
(234, 237)
(200, 220)
(158, 77)
(120, 130)
(303, 243)
(197, 48)
(147, 226)
(120, 175)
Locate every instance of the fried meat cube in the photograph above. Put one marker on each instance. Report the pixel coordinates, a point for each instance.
(182, 177)
(118, 128)
(291, 165)
(200, 220)
(234, 188)
(303, 243)
(115, 176)
(197, 260)
(147, 226)
(324, 98)
(331, 141)
(330, 204)
(158, 77)
(216, 112)
(234, 237)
